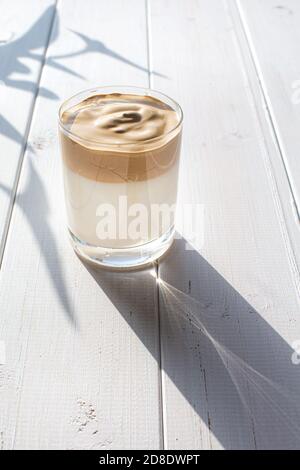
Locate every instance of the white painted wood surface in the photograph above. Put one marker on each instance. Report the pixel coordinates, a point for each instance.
(82, 348)
(24, 34)
(100, 360)
(274, 36)
(244, 276)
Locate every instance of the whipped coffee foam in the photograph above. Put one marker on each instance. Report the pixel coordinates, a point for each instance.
(119, 138)
(119, 145)
(120, 119)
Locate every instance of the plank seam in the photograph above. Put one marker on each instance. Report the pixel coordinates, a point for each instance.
(248, 64)
(267, 103)
(160, 382)
(160, 372)
(149, 49)
(14, 197)
(25, 139)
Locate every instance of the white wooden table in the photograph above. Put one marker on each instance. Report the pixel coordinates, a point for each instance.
(100, 360)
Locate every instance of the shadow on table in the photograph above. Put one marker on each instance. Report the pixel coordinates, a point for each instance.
(13, 74)
(232, 367)
(14, 51)
(34, 205)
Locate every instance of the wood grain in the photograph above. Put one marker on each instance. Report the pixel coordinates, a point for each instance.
(204, 358)
(231, 384)
(24, 38)
(82, 346)
(273, 34)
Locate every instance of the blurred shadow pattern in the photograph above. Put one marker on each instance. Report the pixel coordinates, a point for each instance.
(38, 220)
(12, 54)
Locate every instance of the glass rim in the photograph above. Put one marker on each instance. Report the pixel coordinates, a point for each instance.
(140, 91)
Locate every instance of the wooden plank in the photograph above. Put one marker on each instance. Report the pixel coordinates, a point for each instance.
(231, 385)
(23, 41)
(82, 346)
(273, 33)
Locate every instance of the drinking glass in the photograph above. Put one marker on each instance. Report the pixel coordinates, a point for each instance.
(120, 198)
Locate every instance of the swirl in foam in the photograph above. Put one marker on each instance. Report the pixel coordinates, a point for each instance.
(118, 145)
(120, 137)
(120, 119)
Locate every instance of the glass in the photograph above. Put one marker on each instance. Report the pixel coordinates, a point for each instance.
(120, 194)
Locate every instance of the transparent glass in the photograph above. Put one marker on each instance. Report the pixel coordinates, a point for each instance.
(120, 196)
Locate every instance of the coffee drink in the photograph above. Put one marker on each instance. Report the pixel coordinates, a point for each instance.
(120, 160)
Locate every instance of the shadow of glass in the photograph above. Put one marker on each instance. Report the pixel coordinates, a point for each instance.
(210, 334)
(228, 363)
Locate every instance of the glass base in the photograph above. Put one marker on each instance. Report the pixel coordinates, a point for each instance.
(123, 258)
